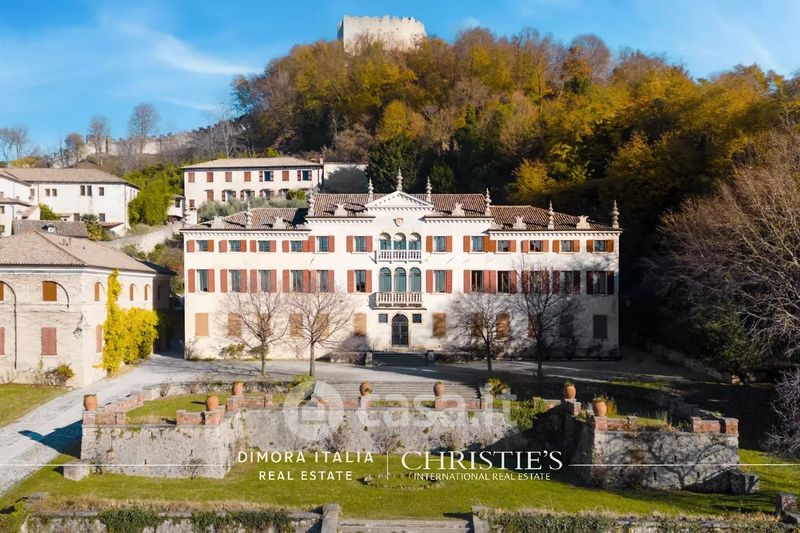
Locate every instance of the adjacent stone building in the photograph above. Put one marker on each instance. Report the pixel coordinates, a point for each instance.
(53, 302)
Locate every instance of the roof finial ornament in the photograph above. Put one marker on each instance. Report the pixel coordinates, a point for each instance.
(615, 216)
(311, 201)
(487, 200)
(370, 191)
(248, 216)
(399, 180)
(551, 217)
(428, 191)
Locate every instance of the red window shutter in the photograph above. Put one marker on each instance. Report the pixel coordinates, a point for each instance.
(243, 278)
(307, 282)
(228, 176)
(492, 245)
(211, 246)
(490, 280)
(223, 280)
(243, 246)
(98, 338)
(369, 280)
(191, 177)
(310, 242)
(576, 282)
(589, 282)
(526, 246)
(285, 175)
(253, 246)
(466, 243)
(448, 280)
(512, 246)
(576, 245)
(369, 244)
(286, 286)
(467, 286)
(429, 281)
(223, 246)
(209, 177)
(2, 340)
(546, 246)
(190, 246)
(512, 278)
(556, 275)
(485, 243)
(246, 175)
(211, 280)
(590, 245)
(331, 281)
(349, 243)
(428, 243)
(351, 281)
(190, 281)
(331, 243)
(526, 282)
(272, 245)
(448, 243)
(254, 281)
(285, 246)
(610, 245)
(273, 281)
(556, 246)
(610, 283)
(49, 342)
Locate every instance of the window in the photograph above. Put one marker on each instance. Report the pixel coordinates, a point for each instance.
(2, 209)
(360, 324)
(416, 318)
(265, 175)
(209, 177)
(399, 242)
(265, 281)
(536, 246)
(600, 327)
(234, 325)
(504, 281)
(201, 324)
(439, 325)
(209, 195)
(228, 176)
(600, 282)
(76, 217)
(297, 280)
(191, 204)
(385, 243)
(415, 280)
(202, 280)
(296, 246)
(414, 243)
(101, 217)
(49, 342)
(504, 246)
(360, 280)
(477, 244)
(101, 191)
(264, 246)
(476, 281)
(86, 190)
(566, 329)
(601, 246)
(247, 175)
(383, 318)
(439, 244)
(49, 291)
(236, 280)
(503, 325)
(567, 246)
(235, 246)
(322, 244)
(306, 175)
(285, 176)
(385, 280)
(191, 177)
(439, 281)
(360, 244)
(202, 246)
(571, 282)
(2, 229)
(400, 280)
(323, 281)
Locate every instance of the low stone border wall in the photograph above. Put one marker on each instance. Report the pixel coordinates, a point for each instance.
(695, 365)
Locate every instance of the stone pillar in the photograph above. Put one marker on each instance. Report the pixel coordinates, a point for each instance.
(234, 403)
(730, 426)
(76, 471)
(785, 503)
(600, 423)
(330, 518)
(572, 407)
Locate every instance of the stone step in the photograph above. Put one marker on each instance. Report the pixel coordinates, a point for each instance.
(404, 526)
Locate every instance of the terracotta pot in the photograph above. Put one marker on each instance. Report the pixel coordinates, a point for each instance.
(238, 388)
(570, 392)
(365, 389)
(212, 403)
(599, 407)
(438, 389)
(90, 402)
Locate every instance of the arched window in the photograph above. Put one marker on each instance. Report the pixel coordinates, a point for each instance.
(400, 280)
(98, 291)
(415, 281)
(132, 291)
(415, 242)
(385, 280)
(147, 292)
(399, 242)
(385, 242)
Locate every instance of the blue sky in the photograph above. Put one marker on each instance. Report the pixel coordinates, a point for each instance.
(62, 62)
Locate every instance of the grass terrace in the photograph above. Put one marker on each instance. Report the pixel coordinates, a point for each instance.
(376, 497)
(17, 399)
(162, 410)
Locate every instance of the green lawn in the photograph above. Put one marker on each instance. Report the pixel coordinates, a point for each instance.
(18, 399)
(389, 500)
(163, 410)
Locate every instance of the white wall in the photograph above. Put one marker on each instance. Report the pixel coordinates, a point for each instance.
(113, 203)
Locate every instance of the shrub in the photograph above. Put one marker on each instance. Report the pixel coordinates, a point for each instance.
(496, 386)
(128, 334)
(47, 213)
(524, 413)
(59, 375)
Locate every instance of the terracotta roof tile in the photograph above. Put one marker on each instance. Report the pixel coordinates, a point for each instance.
(62, 175)
(66, 228)
(253, 162)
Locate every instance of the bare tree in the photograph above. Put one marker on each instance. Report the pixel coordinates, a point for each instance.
(785, 440)
(550, 304)
(99, 131)
(143, 124)
(14, 142)
(72, 149)
(257, 320)
(318, 318)
(484, 321)
(741, 246)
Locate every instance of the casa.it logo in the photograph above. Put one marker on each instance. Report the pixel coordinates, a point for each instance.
(448, 461)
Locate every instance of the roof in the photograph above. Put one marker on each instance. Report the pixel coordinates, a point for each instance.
(62, 175)
(41, 249)
(254, 162)
(16, 201)
(66, 228)
(444, 205)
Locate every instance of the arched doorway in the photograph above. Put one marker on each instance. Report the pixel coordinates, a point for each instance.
(399, 330)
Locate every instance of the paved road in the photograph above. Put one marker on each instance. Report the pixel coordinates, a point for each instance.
(39, 436)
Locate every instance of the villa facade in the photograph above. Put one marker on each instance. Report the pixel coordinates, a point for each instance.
(402, 258)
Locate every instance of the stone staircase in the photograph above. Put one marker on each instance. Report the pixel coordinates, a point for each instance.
(404, 526)
(398, 359)
(411, 390)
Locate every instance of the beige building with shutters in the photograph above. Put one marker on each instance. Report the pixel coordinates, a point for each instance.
(401, 258)
(53, 302)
